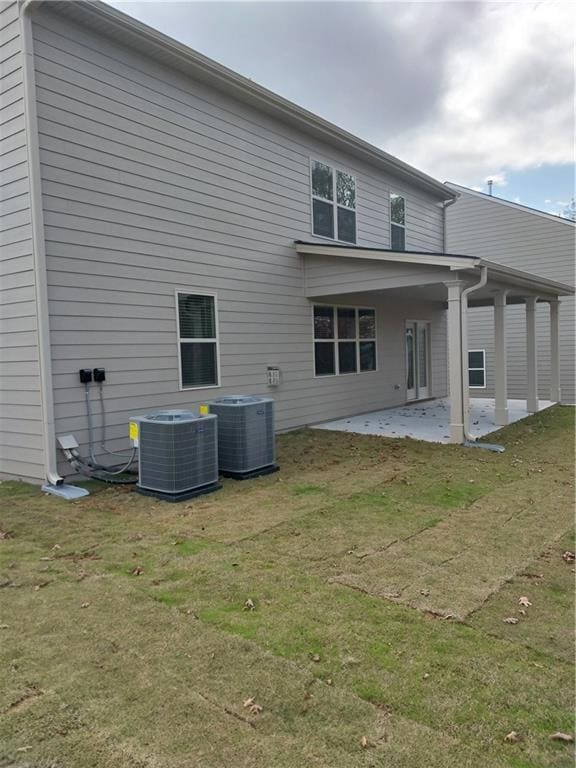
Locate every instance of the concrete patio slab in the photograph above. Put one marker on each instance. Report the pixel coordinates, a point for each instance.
(430, 420)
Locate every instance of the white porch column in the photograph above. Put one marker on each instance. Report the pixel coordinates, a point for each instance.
(531, 357)
(465, 380)
(455, 360)
(555, 391)
(500, 361)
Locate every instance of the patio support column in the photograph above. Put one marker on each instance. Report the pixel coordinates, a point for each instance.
(500, 361)
(531, 356)
(455, 372)
(555, 391)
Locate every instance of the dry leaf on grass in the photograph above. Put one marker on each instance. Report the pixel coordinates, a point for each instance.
(249, 605)
(137, 571)
(315, 657)
(510, 620)
(559, 736)
(5, 535)
(364, 743)
(252, 707)
(85, 605)
(512, 737)
(524, 601)
(568, 556)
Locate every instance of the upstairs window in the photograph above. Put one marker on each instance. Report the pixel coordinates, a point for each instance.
(197, 341)
(344, 340)
(397, 222)
(333, 203)
(477, 368)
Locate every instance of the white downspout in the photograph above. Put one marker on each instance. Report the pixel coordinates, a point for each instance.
(464, 344)
(446, 204)
(38, 243)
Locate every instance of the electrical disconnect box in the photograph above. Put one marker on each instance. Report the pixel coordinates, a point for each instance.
(273, 376)
(99, 374)
(85, 375)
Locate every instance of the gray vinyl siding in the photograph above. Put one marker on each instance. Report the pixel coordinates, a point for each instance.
(21, 440)
(523, 240)
(152, 182)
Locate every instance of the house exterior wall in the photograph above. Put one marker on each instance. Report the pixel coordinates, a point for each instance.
(519, 238)
(21, 424)
(153, 182)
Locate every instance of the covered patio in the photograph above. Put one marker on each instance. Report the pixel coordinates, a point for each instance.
(453, 283)
(429, 420)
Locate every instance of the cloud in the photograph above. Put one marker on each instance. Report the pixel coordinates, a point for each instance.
(459, 89)
(507, 100)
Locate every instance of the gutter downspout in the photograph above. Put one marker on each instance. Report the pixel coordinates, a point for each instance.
(464, 336)
(38, 243)
(445, 205)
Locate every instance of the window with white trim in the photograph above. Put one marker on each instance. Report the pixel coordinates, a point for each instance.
(333, 203)
(197, 341)
(397, 222)
(344, 340)
(477, 368)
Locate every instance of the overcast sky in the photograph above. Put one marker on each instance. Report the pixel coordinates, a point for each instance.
(463, 90)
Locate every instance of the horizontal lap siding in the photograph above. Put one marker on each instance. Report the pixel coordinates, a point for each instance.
(534, 243)
(21, 444)
(153, 182)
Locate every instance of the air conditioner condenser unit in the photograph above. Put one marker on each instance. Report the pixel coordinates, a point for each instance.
(246, 441)
(177, 454)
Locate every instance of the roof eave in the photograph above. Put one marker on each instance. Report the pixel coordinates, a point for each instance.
(230, 81)
(451, 261)
(527, 279)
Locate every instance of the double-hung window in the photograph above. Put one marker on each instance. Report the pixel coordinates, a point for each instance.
(344, 340)
(197, 341)
(333, 203)
(477, 368)
(397, 222)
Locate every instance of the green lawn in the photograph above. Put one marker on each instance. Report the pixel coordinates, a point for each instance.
(381, 572)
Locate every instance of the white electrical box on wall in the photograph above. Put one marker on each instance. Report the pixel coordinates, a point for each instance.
(273, 376)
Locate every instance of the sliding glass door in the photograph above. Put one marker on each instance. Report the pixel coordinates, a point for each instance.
(417, 360)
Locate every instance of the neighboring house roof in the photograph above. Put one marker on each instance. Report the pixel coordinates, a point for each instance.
(117, 25)
(493, 199)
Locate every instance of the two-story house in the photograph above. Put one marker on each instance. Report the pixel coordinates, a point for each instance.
(194, 234)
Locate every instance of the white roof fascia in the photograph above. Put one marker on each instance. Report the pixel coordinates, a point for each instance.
(518, 277)
(452, 262)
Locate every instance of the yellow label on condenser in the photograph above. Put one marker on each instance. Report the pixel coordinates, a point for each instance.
(133, 430)
(204, 410)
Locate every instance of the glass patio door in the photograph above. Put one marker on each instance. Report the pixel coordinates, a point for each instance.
(417, 360)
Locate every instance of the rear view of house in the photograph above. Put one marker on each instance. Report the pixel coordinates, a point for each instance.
(190, 234)
(527, 239)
